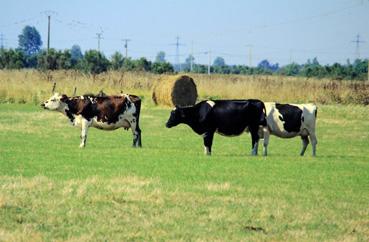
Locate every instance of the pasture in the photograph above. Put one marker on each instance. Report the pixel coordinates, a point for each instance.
(52, 190)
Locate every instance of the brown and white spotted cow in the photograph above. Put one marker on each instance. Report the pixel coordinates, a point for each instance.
(291, 120)
(102, 112)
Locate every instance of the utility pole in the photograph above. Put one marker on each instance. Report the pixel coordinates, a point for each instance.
(48, 32)
(48, 13)
(209, 64)
(177, 44)
(99, 37)
(191, 57)
(126, 46)
(250, 54)
(358, 42)
(291, 56)
(177, 54)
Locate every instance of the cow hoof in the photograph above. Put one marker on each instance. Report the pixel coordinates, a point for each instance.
(81, 146)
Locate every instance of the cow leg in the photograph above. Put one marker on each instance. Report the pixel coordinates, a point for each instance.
(208, 141)
(137, 137)
(84, 130)
(314, 142)
(305, 142)
(266, 141)
(254, 140)
(136, 131)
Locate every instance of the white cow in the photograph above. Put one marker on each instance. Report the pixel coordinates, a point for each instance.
(291, 120)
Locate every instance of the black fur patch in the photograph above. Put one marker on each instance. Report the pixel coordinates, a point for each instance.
(291, 116)
(69, 115)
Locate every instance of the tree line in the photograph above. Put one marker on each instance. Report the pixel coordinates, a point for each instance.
(358, 70)
(30, 55)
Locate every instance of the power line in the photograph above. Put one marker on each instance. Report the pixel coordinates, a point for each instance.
(21, 21)
(209, 60)
(191, 57)
(250, 54)
(358, 42)
(310, 18)
(177, 44)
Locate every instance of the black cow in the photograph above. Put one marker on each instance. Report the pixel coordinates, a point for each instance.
(101, 111)
(226, 117)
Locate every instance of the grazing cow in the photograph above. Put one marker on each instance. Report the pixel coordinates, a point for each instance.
(226, 117)
(102, 112)
(291, 120)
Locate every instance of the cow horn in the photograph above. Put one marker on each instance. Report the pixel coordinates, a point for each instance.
(75, 91)
(53, 90)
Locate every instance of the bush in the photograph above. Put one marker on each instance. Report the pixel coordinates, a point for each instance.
(95, 62)
(162, 67)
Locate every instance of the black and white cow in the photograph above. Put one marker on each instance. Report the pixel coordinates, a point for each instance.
(102, 112)
(226, 117)
(291, 120)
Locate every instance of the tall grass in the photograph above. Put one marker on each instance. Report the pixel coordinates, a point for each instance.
(32, 86)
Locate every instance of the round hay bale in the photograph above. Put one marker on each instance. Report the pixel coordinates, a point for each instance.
(178, 90)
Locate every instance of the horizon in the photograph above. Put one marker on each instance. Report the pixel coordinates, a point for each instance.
(283, 33)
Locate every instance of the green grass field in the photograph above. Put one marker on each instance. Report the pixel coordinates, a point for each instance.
(52, 190)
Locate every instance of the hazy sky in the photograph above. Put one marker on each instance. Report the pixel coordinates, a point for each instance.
(280, 31)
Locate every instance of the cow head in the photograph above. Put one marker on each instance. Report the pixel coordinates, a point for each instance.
(56, 102)
(176, 117)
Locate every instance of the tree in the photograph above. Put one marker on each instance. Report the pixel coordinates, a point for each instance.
(198, 68)
(128, 64)
(76, 53)
(337, 71)
(64, 60)
(117, 61)
(265, 65)
(54, 60)
(312, 69)
(143, 64)
(291, 69)
(29, 41)
(160, 57)
(11, 59)
(190, 59)
(161, 68)
(187, 64)
(95, 62)
(219, 61)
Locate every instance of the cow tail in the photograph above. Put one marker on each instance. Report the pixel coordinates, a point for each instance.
(316, 111)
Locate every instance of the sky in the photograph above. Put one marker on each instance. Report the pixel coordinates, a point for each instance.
(240, 31)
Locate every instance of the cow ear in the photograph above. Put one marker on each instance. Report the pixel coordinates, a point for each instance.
(204, 112)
